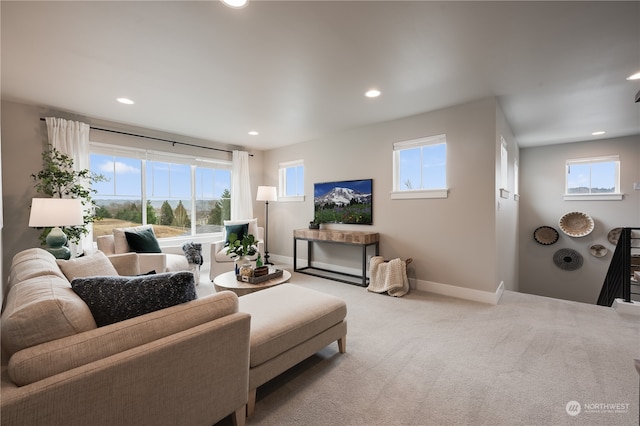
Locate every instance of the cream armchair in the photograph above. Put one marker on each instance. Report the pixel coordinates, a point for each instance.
(116, 247)
(220, 261)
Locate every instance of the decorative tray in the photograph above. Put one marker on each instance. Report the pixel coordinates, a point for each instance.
(259, 280)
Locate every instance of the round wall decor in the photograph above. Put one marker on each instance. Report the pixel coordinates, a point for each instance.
(614, 236)
(545, 235)
(598, 250)
(576, 224)
(567, 259)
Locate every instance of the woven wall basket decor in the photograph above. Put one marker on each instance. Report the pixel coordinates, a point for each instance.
(567, 259)
(576, 224)
(545, 235)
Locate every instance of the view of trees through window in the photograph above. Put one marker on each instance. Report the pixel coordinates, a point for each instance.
(171, 203)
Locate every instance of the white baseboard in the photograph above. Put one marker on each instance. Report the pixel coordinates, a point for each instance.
(461, 292)
(623, 307)
(420, 285)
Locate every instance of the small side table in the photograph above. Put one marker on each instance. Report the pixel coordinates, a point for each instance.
(228, 281)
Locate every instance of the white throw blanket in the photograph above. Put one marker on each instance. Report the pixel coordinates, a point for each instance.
(388, 276)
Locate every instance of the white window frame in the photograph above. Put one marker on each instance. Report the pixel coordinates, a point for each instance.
(282, 181)
(615, 196)
(504, 168)
(516, 180)
(403, 194)
(153, 155)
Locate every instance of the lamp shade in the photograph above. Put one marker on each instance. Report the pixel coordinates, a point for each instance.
(267, 193)
(49, 212)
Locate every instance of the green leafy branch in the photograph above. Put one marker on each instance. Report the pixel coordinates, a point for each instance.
(58, 179)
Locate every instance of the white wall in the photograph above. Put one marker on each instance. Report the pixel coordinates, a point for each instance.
(542, 189)
(452, 241)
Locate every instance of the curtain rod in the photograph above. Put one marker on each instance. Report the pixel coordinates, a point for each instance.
(158, 139)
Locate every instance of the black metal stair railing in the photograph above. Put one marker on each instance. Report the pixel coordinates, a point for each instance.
(618, 281)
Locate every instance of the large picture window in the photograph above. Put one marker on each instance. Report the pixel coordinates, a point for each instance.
(181, 196)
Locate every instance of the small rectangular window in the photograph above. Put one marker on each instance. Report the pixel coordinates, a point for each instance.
(420, 168)
(593, 178)
(291, 177)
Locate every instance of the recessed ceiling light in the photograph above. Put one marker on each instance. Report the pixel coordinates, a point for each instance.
(635, 76)
(236, 4)
(125, 101)
(598, 133)
(373, 93)
(254, 133)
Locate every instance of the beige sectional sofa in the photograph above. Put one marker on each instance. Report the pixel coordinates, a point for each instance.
(186, 364)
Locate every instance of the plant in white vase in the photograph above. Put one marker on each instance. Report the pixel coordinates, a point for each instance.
(241, 249)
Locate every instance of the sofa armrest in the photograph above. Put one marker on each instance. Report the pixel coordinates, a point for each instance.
(54, 357)
(152, 262)
(196, 376)
(126, 264)
(106, 244)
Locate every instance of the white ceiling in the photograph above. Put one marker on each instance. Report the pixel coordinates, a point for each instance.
(297, 70)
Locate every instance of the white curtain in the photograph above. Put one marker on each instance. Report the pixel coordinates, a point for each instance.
(241, 199)
(72, 139)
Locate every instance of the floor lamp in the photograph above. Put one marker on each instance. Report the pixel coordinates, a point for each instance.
(266, 194)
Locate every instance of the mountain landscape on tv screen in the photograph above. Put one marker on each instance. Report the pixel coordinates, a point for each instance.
(343, 205)
(342, 197)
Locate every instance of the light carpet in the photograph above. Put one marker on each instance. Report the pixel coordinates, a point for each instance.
(425, 359)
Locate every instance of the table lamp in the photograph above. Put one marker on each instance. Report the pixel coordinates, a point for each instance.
(56, 212)
(266, 194)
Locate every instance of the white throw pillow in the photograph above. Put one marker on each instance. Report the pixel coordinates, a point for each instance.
(97, 264)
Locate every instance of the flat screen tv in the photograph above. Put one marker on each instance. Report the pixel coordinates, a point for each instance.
(346, 201)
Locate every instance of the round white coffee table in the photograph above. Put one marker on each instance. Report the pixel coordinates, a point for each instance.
(228, 281)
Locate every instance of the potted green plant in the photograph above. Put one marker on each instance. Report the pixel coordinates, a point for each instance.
(58, 179)
(241, 249)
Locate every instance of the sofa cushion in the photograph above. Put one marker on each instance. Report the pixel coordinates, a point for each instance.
(142, 241)
(42, 309)
(96, 264)
(275, 330)
(114, 299)
(31, 263)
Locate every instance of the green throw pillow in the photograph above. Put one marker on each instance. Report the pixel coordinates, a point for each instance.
(144, 241)
(239, 230)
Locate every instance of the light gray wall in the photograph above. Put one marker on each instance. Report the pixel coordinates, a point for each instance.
(24, 137)
(453, 240)
(542, 189)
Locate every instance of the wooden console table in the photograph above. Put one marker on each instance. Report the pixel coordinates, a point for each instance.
(349, 238)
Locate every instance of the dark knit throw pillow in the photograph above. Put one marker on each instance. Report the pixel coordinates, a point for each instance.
(114, 299)
(144, 241)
